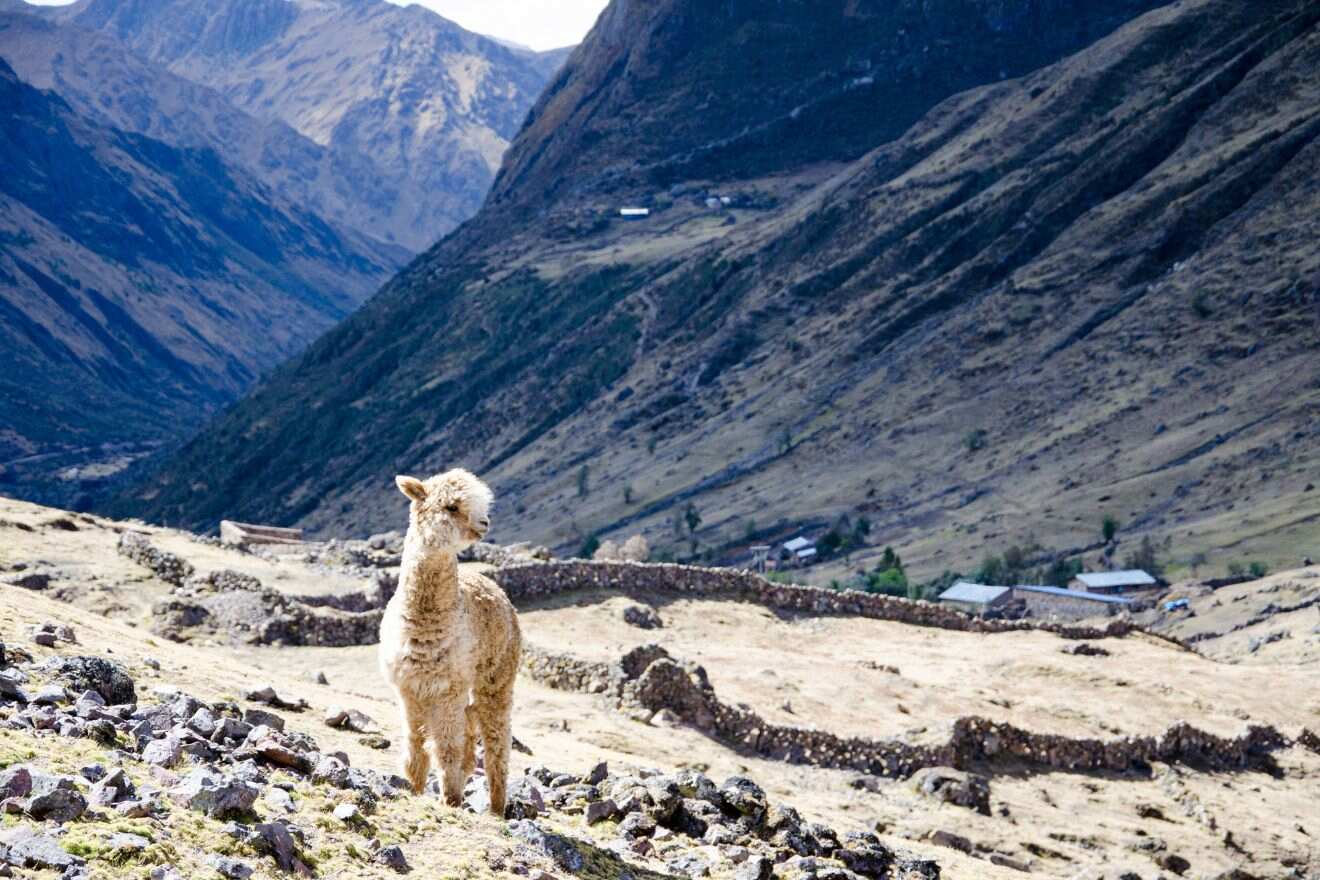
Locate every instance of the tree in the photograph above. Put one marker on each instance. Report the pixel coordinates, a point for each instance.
(1109, 527)
(628, 494)
(692, 517)
(582, 477)
(636, 549)
(1198, 560)
(1145, 558)
(608, 551)
(589, 547)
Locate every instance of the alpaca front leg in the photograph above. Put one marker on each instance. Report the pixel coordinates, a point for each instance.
(448, 729)
(496, 735)
(414, 762)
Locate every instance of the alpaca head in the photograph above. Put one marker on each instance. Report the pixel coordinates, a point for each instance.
(449, 511)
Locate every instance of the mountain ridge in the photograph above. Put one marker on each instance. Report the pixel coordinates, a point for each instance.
(979, 317)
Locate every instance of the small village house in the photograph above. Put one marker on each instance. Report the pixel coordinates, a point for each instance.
(1113, 582)
(975, 598)
(800, 551)
(1046, 602)
(634, 213)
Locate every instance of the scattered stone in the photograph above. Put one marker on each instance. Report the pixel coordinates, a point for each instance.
(1085, 649)
(690, 864)
(756, 867)
(281, 800)
(599, 811)
(209, 792)
(164, 752)
(374, 741)
(597, 774)
(29, 848)
(108, 678)
(642, 617)
(280, 843)
(350, 719)
(54, 798)
(347, 813)
(262, 718)
(234, 869)
(32, 581)
(393, 858)
(954, 787)
(743, 796)
(561, 850)
(125, 844)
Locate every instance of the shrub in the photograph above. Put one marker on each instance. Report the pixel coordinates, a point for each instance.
(582, 485)
(1109, 527)
(1258, 569)
(589, 548)
(975, 439)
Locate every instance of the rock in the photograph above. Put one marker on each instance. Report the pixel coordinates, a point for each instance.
(262, 718)
(561, 850)
(274, 747)
(743, 796)
(203, 722)
(164, 872)
(280, 800)
(50, 695)
(262, 694)
(694, 816)
(374, 741)
(1085, 649)
(44, 639)
(636, 825)
(108, 678)
(954, 787)
(234, 869)
(10, 689)
(15, 782)
(350, 719)
(694, 784)
(163, 752)
(951, 840)
(642, 617)
(55, 798)
(32, 581)
(599, 811)
(29, 848)
(280, 844)
(756, 867)
(689, 864)
(392, 857)
(597, 774)
(125, 844)
(331, 771)
(347, 813)
(114, 787)
(207, 791)
(1173, 862)
(719, 835)
(524, 800)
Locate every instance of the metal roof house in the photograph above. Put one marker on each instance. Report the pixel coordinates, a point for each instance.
(1071, 604)
(634, 213)
(975, 598)
(798, 543)
(1110, 582)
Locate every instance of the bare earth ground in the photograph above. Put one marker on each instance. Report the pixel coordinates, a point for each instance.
(1060, 824)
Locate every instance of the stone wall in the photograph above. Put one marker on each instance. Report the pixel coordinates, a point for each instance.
(531, 581)
(1044, 605)
(684, 690)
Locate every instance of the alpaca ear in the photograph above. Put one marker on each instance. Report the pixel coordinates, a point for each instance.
(412, 487)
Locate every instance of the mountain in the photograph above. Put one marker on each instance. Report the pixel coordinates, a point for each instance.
(142, 285)
(102, 79)
(988, 273)
(414, 111)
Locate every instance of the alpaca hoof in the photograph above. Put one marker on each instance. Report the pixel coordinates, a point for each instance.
(453, 801)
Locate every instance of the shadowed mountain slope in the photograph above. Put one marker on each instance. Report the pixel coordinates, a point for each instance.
(143, 285)
(1091, 289)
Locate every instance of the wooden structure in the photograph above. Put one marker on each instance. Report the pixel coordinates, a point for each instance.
(237, 534)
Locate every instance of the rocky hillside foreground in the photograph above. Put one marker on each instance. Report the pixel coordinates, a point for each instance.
(1085, 751)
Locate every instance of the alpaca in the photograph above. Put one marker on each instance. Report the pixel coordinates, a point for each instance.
(449, 641)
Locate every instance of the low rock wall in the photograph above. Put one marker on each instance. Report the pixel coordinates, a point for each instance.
(684, 690)
(535, 580)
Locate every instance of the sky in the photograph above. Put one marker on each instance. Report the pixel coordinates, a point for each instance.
(541, 24)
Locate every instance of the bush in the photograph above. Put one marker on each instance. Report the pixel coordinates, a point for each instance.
(975, 440)
(589, 548)
(1258, 569)
(1109, 527)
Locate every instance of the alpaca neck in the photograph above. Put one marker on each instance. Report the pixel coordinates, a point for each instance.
(428, 581)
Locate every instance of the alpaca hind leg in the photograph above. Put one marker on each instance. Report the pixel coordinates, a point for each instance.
(448, 729)
(470, 740)
(414, 763)
(494, 712)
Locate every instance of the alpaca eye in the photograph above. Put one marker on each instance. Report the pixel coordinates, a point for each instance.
(452, 508)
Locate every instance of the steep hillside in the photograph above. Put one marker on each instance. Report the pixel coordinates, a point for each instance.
(397, 90)
(102, 79)
(142, 285)
(1089, 290)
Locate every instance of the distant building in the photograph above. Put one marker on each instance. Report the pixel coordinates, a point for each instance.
(634, 213)
(1070, 604)
(1113, 582)
(975, 598)
(800, 550)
